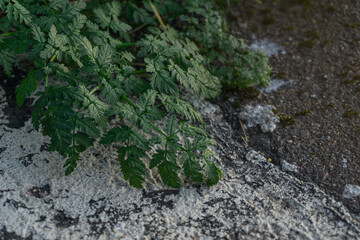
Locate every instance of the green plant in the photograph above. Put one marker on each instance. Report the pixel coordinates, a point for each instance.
(103, 59)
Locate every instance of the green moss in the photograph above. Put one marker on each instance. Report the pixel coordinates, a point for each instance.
(351, 114)
(309, 43)
(303, 112)
(307, 4)
(331, 9)
(281, 75)
(331, 105)
(284, 8)
(300, 92)
(357, 77)
(354, 40)
(312, 34)
(343, 73)
(237, 104)
(349, 81)
(274, 110)
(250, 93)
(352, 80)
(353, 25)
(357, 89)
(324, 43)
(254, 29)
(268, 21)
(265, 11)
(250, 12)
(289, 28)
(287, 120)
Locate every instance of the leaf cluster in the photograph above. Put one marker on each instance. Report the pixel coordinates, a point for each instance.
(94, 67)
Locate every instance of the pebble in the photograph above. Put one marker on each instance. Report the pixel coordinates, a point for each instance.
(351, 191)
(260, 115)
(287, 167)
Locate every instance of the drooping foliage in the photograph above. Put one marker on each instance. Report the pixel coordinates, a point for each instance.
(134, 60)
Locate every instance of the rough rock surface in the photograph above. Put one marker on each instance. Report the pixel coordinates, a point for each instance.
(254, 200)
(287, 167)
(351, 191)
(259, 115)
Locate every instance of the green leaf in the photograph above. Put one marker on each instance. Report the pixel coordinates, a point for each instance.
(6, 60)
(101, 18)
(161, 156)
(77, 24)
(116, 134)
(95, 106)
(58, 124)
(17, 12)
(88, 126)
(179, 74)
(111, 94)
(138, 139)
(71, 163)
(160, 79)
(202, 82)
(26, 87)
(191, 165)
(147, 99)
(176, 105)
(168, 173)
(58, 4)
(37, 112)
(132, 167)
(38, 35)
(213, 173)
(105, 56)
(73, 9)
(83, 139)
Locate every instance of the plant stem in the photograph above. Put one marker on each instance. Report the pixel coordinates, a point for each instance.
(157, 15)
(47, 75)
(7, 34)
(96, 88)
(51, 10)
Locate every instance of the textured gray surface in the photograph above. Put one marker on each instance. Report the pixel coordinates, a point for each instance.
(351, 191)
(260, 115)
(254, 200)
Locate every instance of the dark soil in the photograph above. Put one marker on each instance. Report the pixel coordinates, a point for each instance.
(17, 116)
(322, 44)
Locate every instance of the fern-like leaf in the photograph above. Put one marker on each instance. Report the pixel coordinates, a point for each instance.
(116, 134)
(191, 166)
(6, 60)
(176, 105)
(168, 173)
(18, 12)
(131, 165)
(213, 173)
(88, 126)
(26, 87)
(71, 163)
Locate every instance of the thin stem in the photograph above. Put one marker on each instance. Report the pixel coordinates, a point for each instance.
(139, 28)
(125, 45)
(96, 88)
(51, 10)
(7, 34)
(157, 15)
(47, 75)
